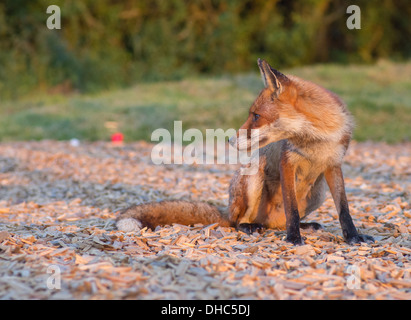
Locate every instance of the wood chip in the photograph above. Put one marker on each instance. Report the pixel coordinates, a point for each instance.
(4, 235)
(59, 203)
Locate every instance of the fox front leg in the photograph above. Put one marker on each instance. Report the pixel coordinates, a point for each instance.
(335, 182)
(287, 176)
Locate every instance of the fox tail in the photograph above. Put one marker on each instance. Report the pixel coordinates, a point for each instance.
(167, 212)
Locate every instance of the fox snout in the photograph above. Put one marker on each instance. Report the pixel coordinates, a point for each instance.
(239, 142)
(245, 140)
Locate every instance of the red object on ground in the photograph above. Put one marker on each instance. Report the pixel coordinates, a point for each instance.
(117, 137)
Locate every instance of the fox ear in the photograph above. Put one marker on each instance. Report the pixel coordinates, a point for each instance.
(272, 78)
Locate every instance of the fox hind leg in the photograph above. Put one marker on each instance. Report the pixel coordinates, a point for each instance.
(314, 201)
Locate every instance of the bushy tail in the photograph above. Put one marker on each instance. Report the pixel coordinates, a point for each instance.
(155, 214)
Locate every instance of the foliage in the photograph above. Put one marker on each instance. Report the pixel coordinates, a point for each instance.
(112, 43)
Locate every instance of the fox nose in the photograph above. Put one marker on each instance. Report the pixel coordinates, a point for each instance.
(233, 141)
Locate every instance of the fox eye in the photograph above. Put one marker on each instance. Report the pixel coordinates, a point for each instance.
(256, 117)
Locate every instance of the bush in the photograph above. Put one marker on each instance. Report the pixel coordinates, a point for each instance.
(104, 44)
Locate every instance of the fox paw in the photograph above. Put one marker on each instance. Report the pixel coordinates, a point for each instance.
(311, 225)
(250, 228)
(360, 238)
(295, 240)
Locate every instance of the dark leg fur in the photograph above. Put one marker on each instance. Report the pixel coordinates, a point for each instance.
(250, 228)
(311, 225)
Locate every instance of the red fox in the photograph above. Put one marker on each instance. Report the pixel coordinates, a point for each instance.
(304, 132)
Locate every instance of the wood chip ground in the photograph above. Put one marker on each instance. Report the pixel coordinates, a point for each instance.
(58, 239)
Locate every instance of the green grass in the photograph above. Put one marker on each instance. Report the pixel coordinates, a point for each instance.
(378, 95)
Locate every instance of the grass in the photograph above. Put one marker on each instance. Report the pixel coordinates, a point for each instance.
(378, 95)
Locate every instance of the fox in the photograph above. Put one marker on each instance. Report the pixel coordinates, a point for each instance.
(304, 131)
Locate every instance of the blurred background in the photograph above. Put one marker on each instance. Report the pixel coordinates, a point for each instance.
(134, 66)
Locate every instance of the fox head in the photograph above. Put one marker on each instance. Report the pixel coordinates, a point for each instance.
(270, 112)
(294, 109)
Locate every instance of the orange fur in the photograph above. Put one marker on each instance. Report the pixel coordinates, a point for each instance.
(305, 131)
